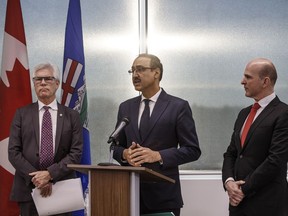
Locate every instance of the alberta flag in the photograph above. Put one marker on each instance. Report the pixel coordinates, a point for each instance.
(74, 92)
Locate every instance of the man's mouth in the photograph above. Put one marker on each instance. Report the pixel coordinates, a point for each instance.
(44, 90)
(136, 81)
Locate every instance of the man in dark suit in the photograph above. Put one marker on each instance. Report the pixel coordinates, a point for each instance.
(170, 138)
(254, 169)
(25, 145)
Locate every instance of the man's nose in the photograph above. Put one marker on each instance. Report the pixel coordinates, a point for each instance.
(43, 82)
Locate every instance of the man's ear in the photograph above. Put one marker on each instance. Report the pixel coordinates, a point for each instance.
(267, 81)
(58, 83)
(157, 73)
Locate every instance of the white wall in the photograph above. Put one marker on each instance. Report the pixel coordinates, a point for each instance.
(203, 194)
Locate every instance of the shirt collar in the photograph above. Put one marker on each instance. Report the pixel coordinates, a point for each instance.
(52, 105)
(266, 100)
(154, 98)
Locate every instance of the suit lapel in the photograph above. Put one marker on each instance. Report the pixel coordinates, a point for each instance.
(134, 116)
(266, 112)
(242, 117)
(60, 121)
(159, 108)
(35, 122)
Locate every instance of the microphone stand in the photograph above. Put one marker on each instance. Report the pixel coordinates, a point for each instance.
(110, 163)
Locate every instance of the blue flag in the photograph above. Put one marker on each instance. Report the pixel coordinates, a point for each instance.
(74, 94)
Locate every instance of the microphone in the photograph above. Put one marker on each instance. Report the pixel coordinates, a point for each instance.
(120, 127)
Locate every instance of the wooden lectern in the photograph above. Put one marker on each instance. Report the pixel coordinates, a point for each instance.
(114, 190)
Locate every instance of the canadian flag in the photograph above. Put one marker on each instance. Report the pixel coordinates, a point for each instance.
(15, 91)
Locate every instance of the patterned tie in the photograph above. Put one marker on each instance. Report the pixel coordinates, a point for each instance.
(144, 122)
(249, 121)
(46, 149)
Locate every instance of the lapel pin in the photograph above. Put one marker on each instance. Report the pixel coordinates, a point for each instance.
(60, 114)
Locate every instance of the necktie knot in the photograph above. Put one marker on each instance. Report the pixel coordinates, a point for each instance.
(146, 101)
(46, 108)
(256, 106)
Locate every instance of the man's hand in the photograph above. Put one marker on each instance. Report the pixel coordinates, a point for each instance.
(136, 155)
(46, 190)
(127, 153)
(40, 178)
(234, 192)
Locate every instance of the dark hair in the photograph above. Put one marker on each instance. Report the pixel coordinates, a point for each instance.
(155, 62)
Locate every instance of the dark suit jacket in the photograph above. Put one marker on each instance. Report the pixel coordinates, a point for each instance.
(24, 147)
(171, 125)
(262, 162)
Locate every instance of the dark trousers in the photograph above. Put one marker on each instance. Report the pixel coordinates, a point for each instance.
(145, 210)
(29, 209)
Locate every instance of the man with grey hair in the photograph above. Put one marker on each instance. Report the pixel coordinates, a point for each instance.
(45, 136)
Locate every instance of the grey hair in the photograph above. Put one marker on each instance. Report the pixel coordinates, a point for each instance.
(51, 67)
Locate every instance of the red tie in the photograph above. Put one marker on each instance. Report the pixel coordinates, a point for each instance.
(249, 121)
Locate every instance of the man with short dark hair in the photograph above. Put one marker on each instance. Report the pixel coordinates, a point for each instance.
(166, 140)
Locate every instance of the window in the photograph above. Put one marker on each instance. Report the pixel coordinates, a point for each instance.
(204, 47)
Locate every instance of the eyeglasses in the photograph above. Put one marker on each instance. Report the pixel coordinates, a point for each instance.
(138, 69)
(48, 79)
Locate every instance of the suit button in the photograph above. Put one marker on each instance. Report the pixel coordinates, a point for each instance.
(241, 156)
